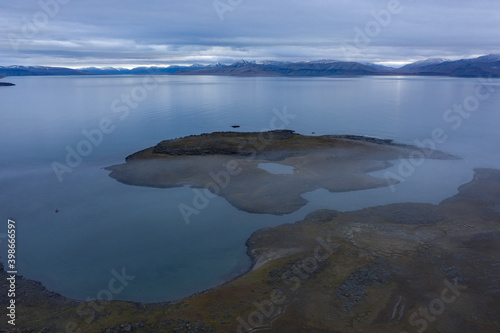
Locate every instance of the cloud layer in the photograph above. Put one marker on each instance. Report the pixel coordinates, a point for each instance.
(78, 33)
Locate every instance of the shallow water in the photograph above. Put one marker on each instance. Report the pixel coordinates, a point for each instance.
(103, 225)
(276, 168)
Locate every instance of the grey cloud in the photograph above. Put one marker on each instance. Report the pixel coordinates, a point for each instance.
(126, 32)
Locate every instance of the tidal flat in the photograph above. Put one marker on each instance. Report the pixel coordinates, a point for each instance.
(227, 164)
(394, 268)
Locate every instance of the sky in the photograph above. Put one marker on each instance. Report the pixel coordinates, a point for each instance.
(129, 33)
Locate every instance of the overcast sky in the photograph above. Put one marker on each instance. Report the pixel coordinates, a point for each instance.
(127, 33)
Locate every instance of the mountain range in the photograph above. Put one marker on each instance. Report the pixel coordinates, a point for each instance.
(488, 65)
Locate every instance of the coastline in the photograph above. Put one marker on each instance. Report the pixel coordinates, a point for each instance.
(384, 260)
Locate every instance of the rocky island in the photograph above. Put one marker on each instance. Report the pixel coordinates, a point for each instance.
(229, 164)
(394, 268)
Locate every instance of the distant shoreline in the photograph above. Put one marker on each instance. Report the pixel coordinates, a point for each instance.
(484, 66)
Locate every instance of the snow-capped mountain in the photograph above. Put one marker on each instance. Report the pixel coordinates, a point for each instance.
(488, 65)
(273, 63)
(325, 61)
(215, 65)
(424, 63)
(487, 58)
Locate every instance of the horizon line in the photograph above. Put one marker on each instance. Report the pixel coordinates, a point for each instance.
(392, 64)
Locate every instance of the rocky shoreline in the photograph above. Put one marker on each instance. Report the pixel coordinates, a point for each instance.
(393, 268)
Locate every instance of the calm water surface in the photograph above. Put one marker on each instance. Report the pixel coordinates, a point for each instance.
(103, 225)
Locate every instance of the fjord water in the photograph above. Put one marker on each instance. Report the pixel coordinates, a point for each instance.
(105, 228)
